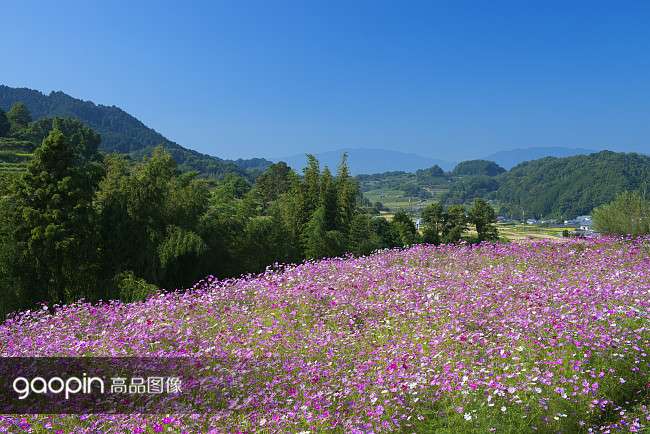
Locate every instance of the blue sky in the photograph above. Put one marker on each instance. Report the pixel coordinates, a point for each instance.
(449, 80)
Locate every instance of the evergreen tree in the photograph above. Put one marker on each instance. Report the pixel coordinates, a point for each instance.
(347, 193)
(55, 220)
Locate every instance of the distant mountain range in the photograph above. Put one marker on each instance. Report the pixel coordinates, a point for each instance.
(372, 161)
(369, 161)
(509, 159)
(121, 132)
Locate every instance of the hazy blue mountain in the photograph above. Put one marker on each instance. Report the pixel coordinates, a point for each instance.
(121, 132)
(369, 161)
(509, 159)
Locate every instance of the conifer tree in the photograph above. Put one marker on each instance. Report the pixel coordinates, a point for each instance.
(347, 193)
(54, 218)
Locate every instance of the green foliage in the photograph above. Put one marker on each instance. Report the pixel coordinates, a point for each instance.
(362, 240)
(468, 188)
(430, 175)
(482, 216)
(78, 225)
(477, 168)
(328, 201)
(347, 194)
(149, 215)
(132, 288)
(122, 132)
(386, 233)
(5, 125)
(433, 219)
(275, 181)
(568, 187)
(179, 253)
(628, 214)
(264, 242)
(561, 188)
(319, 241)
(311, 187)
(53, 217)
(455, 223)
(405, 228)
(445, 226)
(19, 117)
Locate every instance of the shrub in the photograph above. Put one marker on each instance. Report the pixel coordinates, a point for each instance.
(628, 214)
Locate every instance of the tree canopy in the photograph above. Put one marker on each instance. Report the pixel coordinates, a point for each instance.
(628, 214)
(477, 168)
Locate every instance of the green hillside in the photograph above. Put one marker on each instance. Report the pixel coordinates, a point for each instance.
(15, 152)
(121, 132)
(548, 187)
(567, 187)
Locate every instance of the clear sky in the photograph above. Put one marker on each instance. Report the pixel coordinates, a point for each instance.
(448, 80)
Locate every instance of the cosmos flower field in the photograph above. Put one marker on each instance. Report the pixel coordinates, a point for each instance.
(547, 337)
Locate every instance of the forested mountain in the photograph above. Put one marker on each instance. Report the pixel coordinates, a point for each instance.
(571, 186)
(511, 158)
(121, 132)
(548, 187)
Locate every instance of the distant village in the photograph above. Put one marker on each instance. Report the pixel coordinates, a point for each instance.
(581, 225)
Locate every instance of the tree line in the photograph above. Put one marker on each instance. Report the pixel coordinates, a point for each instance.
(81, 224)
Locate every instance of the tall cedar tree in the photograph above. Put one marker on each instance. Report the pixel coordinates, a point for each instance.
(55, 220)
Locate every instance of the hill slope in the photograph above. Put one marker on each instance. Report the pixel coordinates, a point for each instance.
(120, 132)
(548, 187)
(567, 187)
(509, 159)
